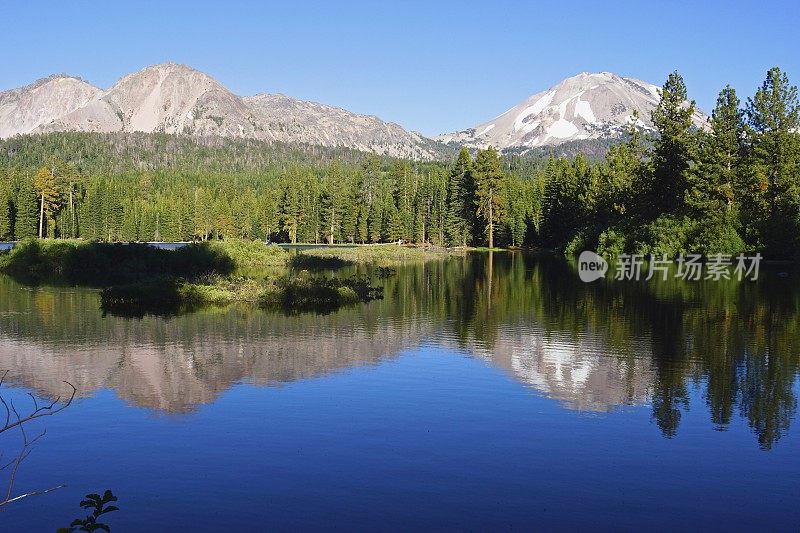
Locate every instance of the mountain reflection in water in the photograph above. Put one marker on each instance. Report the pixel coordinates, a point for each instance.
(589, 347)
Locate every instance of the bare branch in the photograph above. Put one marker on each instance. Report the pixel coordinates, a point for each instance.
(32, 493)
(15, 420)
(8, 412)
(38, 412)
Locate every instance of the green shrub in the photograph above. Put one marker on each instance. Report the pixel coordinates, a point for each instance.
(611, 243)
(319, 262)
(193, 294)
(668, 234)
(318, 295)
(97, 264)
(250, 255)
(716, 238)
(578, 243)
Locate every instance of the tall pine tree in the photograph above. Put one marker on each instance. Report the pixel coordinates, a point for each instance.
(5, 208)
(49, 196)
(774, 163)
(489, 190)
(460, 199)
(674, 146)
(713, 182)
(27, 212)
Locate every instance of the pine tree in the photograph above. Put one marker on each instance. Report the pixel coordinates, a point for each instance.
(5, 208)
(620, 177)
(490, 181)
(291, 213)
(70, 183)
(91, 214)
(375, 222)
(774, 163)
(349, 209)
(268, 219)
(311, 213)
(49, 197)
(438, 184)
(396, 229)
(674, 146)
(187, 216)
(563, 210)
(370, 176)
(27, 212)
(223, 220)
(714, 191)
(203, 217)
(333, 203)
(362, 232)
(712, 181)
(517, 210)
(460, 199)
(404, 185)
(113, 215)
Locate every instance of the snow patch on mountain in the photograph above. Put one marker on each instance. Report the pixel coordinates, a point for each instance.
(584, 109)
(487, 129)
(562, 129)
(540, 104)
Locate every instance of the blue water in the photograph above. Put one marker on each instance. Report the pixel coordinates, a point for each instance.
(397, 415)
(433, 439)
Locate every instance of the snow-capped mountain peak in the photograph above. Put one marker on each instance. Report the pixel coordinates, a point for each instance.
(585, 106)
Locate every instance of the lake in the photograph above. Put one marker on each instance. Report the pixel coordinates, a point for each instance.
(482, 392)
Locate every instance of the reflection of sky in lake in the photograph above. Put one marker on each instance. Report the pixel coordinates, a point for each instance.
(440, 407)
(430, 439)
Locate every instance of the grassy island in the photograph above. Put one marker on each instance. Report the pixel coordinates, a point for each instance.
(138, 279)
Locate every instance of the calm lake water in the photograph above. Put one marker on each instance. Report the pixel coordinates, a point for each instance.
(478, 394)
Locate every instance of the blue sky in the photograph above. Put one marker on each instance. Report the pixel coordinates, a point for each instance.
(433, 67)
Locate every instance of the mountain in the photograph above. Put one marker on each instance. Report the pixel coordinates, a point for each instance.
(173, 98)
(586, 106)
(26, 109)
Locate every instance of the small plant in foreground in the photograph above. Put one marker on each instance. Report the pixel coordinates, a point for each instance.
(98, 505)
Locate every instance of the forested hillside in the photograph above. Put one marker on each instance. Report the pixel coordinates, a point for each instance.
(728, 188)
(162, 187)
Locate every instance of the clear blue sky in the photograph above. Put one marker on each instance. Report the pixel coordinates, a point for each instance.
(433, 67)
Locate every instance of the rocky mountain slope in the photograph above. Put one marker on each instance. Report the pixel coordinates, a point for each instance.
(26, 109)
(172, 98)
(586, 106)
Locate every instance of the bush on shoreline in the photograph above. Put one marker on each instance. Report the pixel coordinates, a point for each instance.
(97, 264)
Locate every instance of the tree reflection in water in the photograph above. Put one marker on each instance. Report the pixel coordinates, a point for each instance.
(588, 346)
